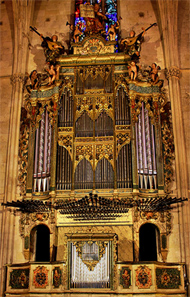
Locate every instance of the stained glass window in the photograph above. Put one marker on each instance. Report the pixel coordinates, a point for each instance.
(96, 16)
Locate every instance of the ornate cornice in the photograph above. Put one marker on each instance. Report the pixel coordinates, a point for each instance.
(173, 72)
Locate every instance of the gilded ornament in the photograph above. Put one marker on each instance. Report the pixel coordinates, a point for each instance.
(23, 151)
(168, 146)
(143, 277)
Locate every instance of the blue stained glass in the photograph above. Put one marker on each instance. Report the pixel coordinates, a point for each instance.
(110, 12)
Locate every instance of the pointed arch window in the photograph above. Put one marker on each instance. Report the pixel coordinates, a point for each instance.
(146, 151)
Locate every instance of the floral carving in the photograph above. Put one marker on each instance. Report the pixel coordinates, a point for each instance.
(40, 279)
(168, 278)
(143, 277)
(168, 145)
(23, 151)
(19, 279)
(173, 72)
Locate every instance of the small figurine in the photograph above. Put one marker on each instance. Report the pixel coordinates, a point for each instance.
(36, 80)
(53, 73)
(112, 30)
(77, 33)
(133, 70)
(99, 18)
(154, 73)
(52, 47)
(132, 44)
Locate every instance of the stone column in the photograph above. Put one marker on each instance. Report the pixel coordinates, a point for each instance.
(22, 13)
(169, 29)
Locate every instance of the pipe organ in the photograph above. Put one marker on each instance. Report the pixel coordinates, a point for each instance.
(94, 133)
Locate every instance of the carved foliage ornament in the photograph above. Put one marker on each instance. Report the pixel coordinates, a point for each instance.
(168, 278)
(151, 103)
(168, 145)
(19, 278)
(94, 46)
(40, 279)
(65, 138)
(123, 136)
(68, 85)
(27, 221)
(18, 78)
(173, 72)
(36, 109)
(94, 151)
(143, 277)
(94, 105)
(23, 151)
(94, 71)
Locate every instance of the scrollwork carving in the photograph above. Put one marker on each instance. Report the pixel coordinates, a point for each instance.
(123, 136)
(65, 138)
(168, 146)
(94, 105)
(94, 71)
(23, 151)
(84, 151)
(104, 151)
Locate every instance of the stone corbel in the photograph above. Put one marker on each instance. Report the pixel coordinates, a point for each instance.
(173, 72)
(18, 78)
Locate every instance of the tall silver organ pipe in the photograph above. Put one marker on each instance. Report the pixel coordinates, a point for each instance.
(42, 154)
(146, 153)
